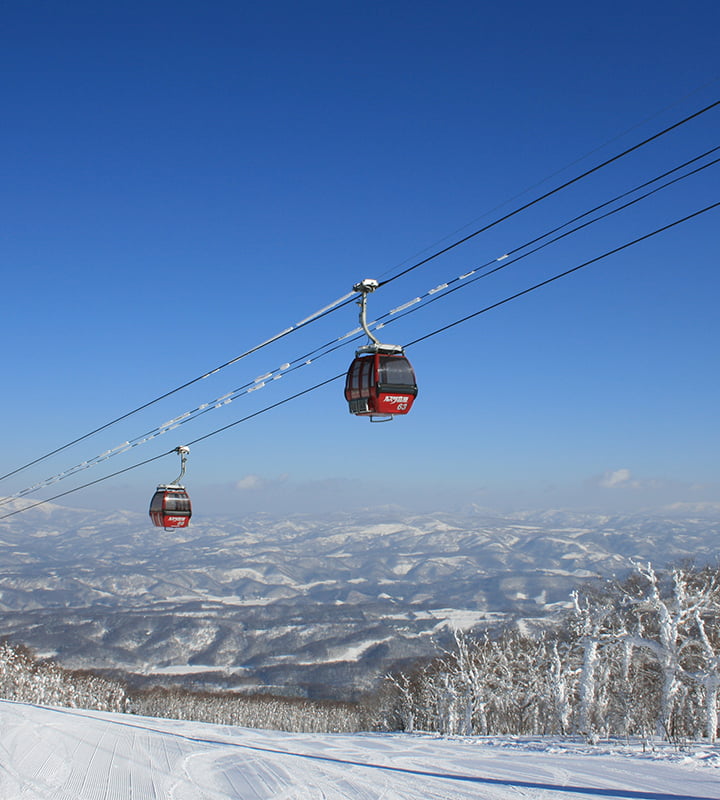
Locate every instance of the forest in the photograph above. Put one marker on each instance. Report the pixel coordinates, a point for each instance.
(633, 658)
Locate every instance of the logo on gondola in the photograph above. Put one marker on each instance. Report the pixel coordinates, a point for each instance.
(396, 398)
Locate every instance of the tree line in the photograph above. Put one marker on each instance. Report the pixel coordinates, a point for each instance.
(25, 679)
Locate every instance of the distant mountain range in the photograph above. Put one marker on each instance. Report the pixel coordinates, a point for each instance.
(320, 607)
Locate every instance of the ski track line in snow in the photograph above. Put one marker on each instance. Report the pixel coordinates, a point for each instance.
(68, 754)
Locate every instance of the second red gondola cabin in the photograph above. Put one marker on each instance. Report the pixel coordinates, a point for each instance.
(170, 507)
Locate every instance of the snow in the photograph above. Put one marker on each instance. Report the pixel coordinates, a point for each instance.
(192, 669)
(351, 652)
(69, 754)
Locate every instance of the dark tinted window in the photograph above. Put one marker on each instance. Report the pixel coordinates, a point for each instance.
(177, 503)
(396, 370)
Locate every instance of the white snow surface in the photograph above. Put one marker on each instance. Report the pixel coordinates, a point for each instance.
(70, 754)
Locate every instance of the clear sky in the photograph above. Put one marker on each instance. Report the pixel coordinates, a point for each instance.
(182, 181)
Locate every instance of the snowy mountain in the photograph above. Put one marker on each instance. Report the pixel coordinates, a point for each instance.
(60, 752)
(305, 606)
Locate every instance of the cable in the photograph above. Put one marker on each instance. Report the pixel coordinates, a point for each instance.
(436, 332)
(174, 424)
(631, 191)
(562, 169)
(505, 263)
(563, 274)
(339, 303)
(551, 192)
(432, 295)
(173, 451)
(86, 485)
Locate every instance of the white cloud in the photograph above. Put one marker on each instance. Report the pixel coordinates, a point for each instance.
(249, 483)
(257, 483)
(616, 478)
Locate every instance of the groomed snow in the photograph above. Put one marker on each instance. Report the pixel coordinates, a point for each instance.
(67, 754)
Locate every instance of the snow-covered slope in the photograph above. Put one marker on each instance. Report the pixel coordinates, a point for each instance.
(64, 754)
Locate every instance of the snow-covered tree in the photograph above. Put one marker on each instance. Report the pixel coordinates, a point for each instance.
(708, 672)
(666, 625)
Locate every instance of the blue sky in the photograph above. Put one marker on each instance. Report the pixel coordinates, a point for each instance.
(182, 181)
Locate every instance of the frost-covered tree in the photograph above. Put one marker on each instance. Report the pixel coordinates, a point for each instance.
(708, 672)
(560, 682)
(590, 625)
(665, 623)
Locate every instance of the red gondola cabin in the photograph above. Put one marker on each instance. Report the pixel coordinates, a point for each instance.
(170, 507)
(380, 384)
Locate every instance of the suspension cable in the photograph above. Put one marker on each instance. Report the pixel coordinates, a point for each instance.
(564, 274)
(443, 291)
(174, 450)
(559, 171)
(550, 193)
(336, 304)
(86, 485)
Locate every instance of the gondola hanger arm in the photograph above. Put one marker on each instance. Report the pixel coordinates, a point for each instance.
(365, 287)
(182, 451)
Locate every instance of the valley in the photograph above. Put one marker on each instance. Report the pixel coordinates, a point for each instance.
(301, 606)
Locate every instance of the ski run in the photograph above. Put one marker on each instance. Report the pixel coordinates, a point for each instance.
(71, 754)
